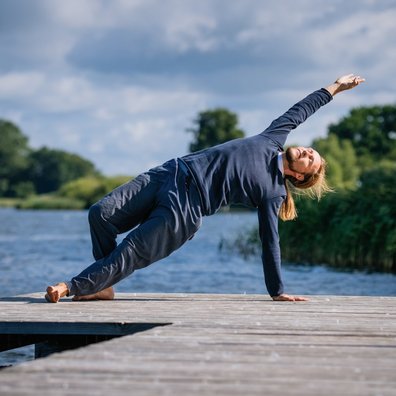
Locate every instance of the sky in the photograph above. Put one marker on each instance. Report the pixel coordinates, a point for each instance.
(120, 81)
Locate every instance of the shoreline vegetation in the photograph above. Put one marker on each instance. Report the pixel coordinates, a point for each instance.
(354, 227)
(77, 194)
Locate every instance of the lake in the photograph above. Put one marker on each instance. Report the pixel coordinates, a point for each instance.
(38, 248)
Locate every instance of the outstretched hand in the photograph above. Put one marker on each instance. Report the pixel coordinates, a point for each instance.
(286, 297)
(344, 83)
(349, 81)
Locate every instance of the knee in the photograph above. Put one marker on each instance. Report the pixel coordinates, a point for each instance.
(95, 213)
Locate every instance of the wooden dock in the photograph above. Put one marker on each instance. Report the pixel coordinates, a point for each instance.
(203, 344)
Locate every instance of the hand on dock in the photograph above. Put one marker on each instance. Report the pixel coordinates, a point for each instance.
(286, 297)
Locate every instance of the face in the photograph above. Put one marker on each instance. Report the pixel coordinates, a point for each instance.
(303, 160)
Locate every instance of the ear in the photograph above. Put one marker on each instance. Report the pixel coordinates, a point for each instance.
(297, 175)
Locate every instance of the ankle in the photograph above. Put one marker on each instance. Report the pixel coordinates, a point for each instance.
(64, 290)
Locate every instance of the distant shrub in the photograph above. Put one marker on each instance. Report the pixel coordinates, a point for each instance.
(50, 202)
(9, 202)
(90, 189)
(114, 181)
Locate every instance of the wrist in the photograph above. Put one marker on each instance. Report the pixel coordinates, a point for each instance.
(333, 89)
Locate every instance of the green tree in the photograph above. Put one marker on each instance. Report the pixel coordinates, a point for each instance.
(14, 152)
(50, 169)
(342, 170)
(372, 131)
(214, 127)
(90, 189)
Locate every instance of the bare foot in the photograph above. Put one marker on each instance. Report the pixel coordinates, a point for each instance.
(55, 293)
(105, 294)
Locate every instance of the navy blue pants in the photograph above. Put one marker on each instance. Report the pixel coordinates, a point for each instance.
(160, 208)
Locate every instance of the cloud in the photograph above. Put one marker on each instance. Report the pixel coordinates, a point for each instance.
(120, 81)
(243, 50)
(121, 128)
(20, 85)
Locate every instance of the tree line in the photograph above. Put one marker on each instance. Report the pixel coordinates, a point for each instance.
(25, 171)
(48, 178)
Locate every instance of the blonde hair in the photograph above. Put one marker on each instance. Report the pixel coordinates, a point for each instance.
(313, 185)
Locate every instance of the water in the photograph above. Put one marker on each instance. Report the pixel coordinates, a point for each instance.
(38, 248)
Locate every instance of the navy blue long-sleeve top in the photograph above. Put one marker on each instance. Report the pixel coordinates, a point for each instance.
(245, 171)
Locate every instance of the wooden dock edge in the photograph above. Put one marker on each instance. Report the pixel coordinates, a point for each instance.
(214, 344)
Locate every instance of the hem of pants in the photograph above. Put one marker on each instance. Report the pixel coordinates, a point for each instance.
(69, 288)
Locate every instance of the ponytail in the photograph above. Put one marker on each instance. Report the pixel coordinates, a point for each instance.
(288, 209)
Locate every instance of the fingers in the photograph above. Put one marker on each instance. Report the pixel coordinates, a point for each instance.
(350, 78)
(52, 295)
(344, 79)
(286, 297)
(357, 79)
(298, 298)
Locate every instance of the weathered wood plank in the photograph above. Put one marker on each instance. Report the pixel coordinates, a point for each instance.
(216, 344)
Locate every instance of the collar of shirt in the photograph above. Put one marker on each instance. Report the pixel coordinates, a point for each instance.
(280, 164)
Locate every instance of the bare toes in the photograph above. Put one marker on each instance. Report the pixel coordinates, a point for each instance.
(52, 295)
